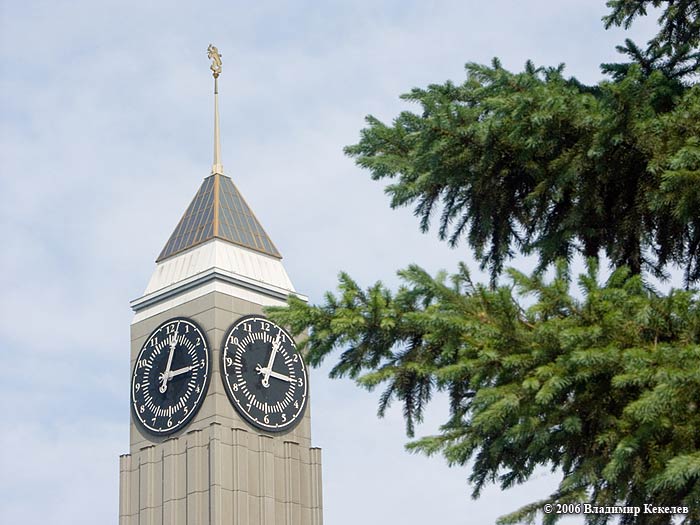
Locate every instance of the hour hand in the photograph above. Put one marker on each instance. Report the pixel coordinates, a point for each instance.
(271, 373)
(281, 376)
(179, 371)
(164, 378)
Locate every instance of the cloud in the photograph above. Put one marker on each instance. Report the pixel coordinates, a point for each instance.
(64, 472)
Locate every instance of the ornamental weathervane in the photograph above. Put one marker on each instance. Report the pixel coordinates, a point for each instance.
(213, 54)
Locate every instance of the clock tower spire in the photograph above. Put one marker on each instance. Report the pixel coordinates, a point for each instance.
(220, 430)
(216, 67)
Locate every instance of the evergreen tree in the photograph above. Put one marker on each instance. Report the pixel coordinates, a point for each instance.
(605, 388)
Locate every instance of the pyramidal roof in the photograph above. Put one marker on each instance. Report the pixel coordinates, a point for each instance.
(219, 211)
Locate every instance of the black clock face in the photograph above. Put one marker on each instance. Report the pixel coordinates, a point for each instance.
(170, 376)
(264, 374)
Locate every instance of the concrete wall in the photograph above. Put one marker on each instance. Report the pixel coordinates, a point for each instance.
(218, 469)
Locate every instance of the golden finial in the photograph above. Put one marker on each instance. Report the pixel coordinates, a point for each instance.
(213, 54)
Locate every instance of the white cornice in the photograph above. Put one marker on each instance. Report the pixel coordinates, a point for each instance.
(210, 275)
(210, 281)
(215, 266)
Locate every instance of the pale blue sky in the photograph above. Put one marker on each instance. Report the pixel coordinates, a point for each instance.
(106, 134)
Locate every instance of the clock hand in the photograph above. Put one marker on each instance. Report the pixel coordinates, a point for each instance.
(179, 371)
(267, 370)
(280, 376)
(165, 376)
(272, 373)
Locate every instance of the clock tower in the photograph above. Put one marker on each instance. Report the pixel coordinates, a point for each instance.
(220, 430)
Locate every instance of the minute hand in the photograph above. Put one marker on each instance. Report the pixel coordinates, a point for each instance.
(268, 369)
(166, 374)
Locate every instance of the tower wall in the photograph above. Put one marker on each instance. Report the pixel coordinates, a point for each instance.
(218, 470)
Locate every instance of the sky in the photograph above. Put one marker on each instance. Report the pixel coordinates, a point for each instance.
(106, 124)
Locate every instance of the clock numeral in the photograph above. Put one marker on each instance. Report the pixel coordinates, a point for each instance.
(284, 417)
(154, 342)
(142, 409)
(187, 410)
(266, 419)
(153, 420)
(170, 422)
(296, 405)
(201, 364)
(234, 387)
(199, 341)
(229, 361)
(300, 381)
(247, 327)
(265, 327)
(250, 405)
(142, 363)
(137, 387)
(295, 358)
(187, 329)
(170, 328)
(197, 389)
(233, 340)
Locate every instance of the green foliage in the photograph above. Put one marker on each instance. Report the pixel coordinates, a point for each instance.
(605, 388)
(679, 20)
(539, 163)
